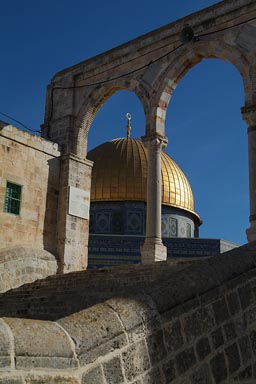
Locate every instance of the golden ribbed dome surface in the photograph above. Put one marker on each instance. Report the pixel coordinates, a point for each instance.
(120, 174)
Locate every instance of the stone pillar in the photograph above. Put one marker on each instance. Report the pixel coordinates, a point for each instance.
(153, 249)
(249, 115)
(73, 213)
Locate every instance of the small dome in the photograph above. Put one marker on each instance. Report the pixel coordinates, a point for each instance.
(120, 174)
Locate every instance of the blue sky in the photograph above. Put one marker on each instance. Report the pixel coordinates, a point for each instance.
(207, 136)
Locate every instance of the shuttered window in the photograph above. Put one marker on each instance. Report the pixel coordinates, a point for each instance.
(12, 202)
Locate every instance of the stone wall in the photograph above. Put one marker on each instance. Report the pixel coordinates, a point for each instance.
(21, 265)
(199, 326)
(33, 163)
(61, 295)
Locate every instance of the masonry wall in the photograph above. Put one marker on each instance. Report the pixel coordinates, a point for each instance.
(197, 327)
(21, 265)
(32, 162)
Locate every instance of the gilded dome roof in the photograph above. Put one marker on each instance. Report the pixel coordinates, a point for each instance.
(120, 173)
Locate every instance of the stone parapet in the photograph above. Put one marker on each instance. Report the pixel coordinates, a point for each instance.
(174, 281)
(22, 265)
(34, 141)
(198, 327)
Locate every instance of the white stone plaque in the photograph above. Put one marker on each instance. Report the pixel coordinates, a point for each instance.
(79, 202)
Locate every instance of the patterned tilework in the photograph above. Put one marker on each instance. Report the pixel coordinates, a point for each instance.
(129, 218)
(117, 250)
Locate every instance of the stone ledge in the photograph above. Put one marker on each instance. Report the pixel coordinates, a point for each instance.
(95, 332)
(36, 142)
(40, 344)
(21, 265)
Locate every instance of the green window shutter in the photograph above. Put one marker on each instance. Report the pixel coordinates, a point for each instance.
(12, 202)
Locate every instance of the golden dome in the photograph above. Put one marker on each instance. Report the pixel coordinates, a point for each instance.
(120, 173)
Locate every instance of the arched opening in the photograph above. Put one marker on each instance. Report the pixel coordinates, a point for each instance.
(117, 187)
(110, 120)
(207, 137)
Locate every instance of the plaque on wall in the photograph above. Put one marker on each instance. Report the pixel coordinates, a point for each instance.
(79, 202)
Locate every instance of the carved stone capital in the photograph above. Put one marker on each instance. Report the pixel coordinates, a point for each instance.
(251, 232)
(249, 116)
(155, 142)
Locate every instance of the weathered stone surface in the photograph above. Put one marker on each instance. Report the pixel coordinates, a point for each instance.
(152, 377)
(192, 326)
(245, 348)
(201, 375)
(169, 371)
(137, 343)
(233, 358)
(95, 332)
(138, 315)
(134, 340)
(11, 380)
(241, 324)
(41, 344)
(156, 347)
(253, 340)
(21, 265)
(230, 330)
(113, 371)
(173, 337)
(94, 376)
(200, 321)
(185, 360)
(5, 346)
(233, 303)
(135, 360)
(245, 374)
(250, 315)
(37, 168)
(50, 379)
(219, 368)
(203, 348)
(246, 296)
(220, 311)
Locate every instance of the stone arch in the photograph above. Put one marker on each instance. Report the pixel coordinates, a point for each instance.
(150, 66)
(96, 99)
(186, 58)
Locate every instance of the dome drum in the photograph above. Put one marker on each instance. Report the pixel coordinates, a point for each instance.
(129, 218)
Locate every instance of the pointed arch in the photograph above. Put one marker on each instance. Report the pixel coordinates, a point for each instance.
(94, 101)
(186, 58)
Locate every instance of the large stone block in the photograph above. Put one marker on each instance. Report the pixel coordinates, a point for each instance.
(113, 371)
(219, 368)
(185, 360)
(11, 380)
(135, 360)
(41, 344)
(138, 315)
(51, 379)
(173, 335)
(95, 332)
(95, 376)
(6, 347)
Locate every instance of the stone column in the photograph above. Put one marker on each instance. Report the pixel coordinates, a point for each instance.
(249, 115)
(73, 211)
(153, 248)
